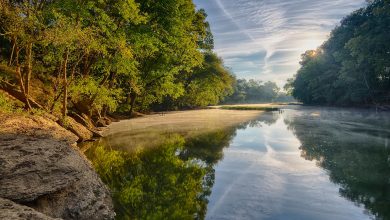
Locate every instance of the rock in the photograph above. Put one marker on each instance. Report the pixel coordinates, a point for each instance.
(136, 115)
(107, 120)
(103, 122)
(83, 119)
(97, 133)
(34, 125)
(33, 166)
(51, 177)
(86, 199)
(11, 210)
(79, 130)
(40, 168)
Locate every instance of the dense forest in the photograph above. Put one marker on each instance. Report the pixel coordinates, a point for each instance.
(353, 66)
(256, 91)
(89, 58)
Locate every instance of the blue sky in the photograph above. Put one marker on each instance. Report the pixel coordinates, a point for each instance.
(263, 39)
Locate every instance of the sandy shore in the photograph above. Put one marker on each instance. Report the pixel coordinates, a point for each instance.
(150, 130)
(206, 119)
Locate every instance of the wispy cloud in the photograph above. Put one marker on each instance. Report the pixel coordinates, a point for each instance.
(263, 39)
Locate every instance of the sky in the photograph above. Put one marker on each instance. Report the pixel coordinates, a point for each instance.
(263, 39)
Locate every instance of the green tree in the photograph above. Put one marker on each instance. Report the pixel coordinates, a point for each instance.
(255, 91)
(87, 58)
(352, 66)
(208, 84)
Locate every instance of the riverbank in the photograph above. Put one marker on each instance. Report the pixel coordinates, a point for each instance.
(150, 130)
(183, 120)
(43, 175)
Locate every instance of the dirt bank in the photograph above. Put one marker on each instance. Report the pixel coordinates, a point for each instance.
(43, 173)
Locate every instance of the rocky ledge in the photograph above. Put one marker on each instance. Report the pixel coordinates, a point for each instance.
(43, 175)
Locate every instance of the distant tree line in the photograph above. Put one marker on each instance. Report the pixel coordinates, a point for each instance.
(256, 91)
(353, 66)
(94, 57)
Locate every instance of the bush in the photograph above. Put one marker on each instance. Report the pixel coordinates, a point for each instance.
(6, 105)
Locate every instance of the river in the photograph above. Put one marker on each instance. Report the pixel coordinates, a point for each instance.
(298, 163)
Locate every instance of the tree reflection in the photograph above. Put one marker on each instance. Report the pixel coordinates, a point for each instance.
(354, 152)
(172, 181)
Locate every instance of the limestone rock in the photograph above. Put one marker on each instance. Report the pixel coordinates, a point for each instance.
(79, 130)
(103, 122)
(51, 177)
(40, 168)
(83, 119)
(11, 210)
(35, 166)
(36, 126)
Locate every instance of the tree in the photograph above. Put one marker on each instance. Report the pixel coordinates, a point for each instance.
(255, 91)
(351, 67)
(208, 85)
(21, 24)
(89, 58)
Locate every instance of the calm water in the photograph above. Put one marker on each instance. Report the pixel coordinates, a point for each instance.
(302, 163)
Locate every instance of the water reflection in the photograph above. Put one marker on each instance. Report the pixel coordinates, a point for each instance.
(172, 181)
(354, 147)
(256, 170)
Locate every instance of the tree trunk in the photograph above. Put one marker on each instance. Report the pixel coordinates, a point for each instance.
(369, 89)
(133, 98)
(21, 83)
(13, 91)
(128, 98)
(12, 52)
(65, 86)
(28, 69)
(88, 60)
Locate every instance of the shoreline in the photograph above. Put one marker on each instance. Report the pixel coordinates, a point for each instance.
(44, 175)
(215, 117)
(150, 130)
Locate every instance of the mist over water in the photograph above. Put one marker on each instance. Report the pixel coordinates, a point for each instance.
(263, 174)
(300, 163)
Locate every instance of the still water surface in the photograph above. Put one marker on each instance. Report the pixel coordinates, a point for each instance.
(302, 163)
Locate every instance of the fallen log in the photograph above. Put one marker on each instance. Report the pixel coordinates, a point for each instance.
(13, 91)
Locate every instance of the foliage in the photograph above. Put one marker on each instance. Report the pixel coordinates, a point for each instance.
(5, 104)
(167, 48)
(209, 84)
(255, 91)
(353, 66)
(95, 56)
(88, 90)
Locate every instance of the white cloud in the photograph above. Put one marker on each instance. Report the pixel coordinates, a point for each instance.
(263, 39)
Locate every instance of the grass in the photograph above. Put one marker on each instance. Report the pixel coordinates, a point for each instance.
(258, 108)
(6, 104)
